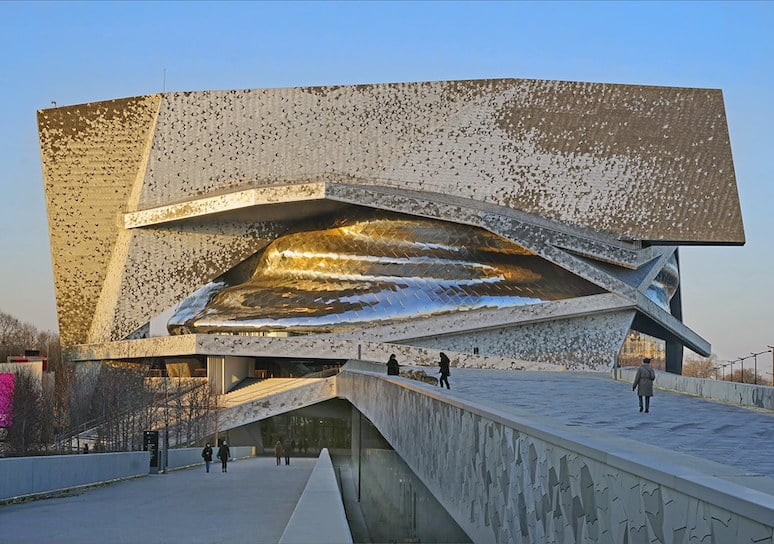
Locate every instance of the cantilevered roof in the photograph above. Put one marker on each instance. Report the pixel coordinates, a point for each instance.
(647, 163)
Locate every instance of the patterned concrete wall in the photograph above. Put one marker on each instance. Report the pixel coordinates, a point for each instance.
(318, 346)
(581, 343)
(508, 479)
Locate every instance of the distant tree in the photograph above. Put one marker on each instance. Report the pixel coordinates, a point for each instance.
(24, 434)
(701, 367)
(120, 406)
(16, 337)
(747, 375)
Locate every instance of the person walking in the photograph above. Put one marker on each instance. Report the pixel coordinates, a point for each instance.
(278, 452)
(223, 453)
(393, 368)
(287, 453)
(444, 371)
(643, 382)
(207, 456)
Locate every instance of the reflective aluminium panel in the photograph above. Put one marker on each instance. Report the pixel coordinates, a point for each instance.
(664, 285)
(367, 271)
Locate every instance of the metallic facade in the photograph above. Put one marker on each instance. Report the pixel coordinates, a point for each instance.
(183, 200)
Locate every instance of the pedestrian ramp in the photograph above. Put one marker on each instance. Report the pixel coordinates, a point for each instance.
(272, 397)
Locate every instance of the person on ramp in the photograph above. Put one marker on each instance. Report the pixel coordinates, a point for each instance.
(444, 371)
(393, 368)
(223, 453)
(278, 452)
(643, 382)
(207, 456)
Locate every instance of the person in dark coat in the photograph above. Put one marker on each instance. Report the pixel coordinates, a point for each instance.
(287, 453)
(643, 382)
(223, 453)
(393, 368)
(207, 456)
(444, 371)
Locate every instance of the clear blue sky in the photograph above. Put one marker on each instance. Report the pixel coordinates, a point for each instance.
(84, 52)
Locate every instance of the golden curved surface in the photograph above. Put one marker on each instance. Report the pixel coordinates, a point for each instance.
(360, 272)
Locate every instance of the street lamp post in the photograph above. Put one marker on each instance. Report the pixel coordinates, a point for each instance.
(166, 422)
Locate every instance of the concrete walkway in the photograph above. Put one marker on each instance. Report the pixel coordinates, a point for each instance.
(251, 503)
(254, 500)
(727, 434)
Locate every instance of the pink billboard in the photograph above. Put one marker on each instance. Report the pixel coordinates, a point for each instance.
(6, 400)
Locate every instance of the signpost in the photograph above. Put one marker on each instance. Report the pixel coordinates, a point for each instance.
(150, 442)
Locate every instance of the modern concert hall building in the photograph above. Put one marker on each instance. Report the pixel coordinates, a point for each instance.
(516, 223)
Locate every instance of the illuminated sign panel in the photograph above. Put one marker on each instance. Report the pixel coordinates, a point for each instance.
(6, 400)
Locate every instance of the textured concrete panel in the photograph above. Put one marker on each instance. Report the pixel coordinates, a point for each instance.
(319, 515)
(589, 342)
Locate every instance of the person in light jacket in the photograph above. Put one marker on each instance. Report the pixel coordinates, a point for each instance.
(643, 382)
(278, 452)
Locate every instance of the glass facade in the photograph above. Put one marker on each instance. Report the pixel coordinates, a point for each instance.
(637, 346)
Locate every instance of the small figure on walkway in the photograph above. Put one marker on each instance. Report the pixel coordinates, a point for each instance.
(223, 453)
(207, 456)
(643, 382)
(278, 452)
(287, 453)
(393, 368)
(444, 371)
(85, 448)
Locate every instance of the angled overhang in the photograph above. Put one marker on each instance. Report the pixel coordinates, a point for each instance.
(641, 162)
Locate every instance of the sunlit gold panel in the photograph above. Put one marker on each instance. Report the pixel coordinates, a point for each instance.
(92, 157)
(364, 271)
